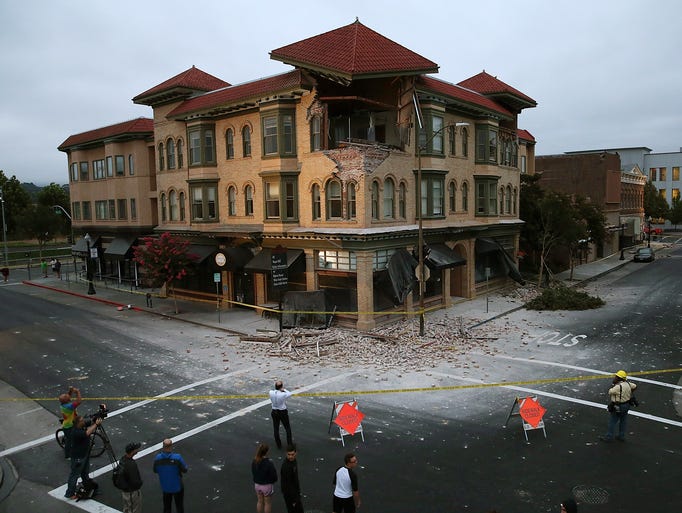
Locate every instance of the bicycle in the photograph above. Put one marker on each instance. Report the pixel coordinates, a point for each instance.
(99, 441)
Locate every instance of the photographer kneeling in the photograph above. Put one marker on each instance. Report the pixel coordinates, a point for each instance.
(80, 453)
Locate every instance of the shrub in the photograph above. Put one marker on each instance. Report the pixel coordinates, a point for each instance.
(564, 298)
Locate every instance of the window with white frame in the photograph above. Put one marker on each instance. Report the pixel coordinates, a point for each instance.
(231, 201)
(333, 199)
(248, 200)
(204, 201)
(389, 198)
(337, 260)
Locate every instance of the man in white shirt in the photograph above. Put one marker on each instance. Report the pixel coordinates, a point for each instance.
(279, 397)
(346, 494)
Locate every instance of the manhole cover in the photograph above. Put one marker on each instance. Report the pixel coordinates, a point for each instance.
(590, 494)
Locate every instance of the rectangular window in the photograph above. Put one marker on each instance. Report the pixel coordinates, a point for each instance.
(131, 164)
(74, 172)
(486, 144)
(195, 148)
(98, 169)
(486, 196)
(201, 145)
(676, 174)
(663, 193)
(209, 146)
(133, 209)
(338, 260)
(87, 211)
(270, 135)
(381, 258)
(663, 174)
(289, 200)
(437, 134)
(433, 194)
(652, 174)
(281, 197)
(523, 164)
(110, 166)
(272, 200)
(204, 202)
(101, 210)
(122, 209)
(120, 165)
(76, 210)
(85, 171)
(288, 134)
(112, 209)
(315, 134)
(675, 194)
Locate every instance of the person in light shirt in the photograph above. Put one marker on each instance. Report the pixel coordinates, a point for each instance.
(280, 414)
(346, 494)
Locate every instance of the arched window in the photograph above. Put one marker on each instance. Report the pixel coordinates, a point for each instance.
(452, 190)
(350, 199)
(161, 155)
(246, 141)
(229, 144)
(465, 197)
(452, 131)
(316, 202)
(508, 200)
(231, 201)
(332, 196)
(402, 200)
(501, 200)
(173, 205)
(248, 200)
(170, 153)
(375, 200)
(389, 198)
(182, 203)
(180, 154)
(163, 207)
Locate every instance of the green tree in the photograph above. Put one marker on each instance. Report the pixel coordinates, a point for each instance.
(655, 205)
(165, 260)
(675, 213)
(15, 199)
(41, 223)
(55, 196)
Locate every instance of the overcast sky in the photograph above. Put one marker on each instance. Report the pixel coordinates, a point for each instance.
(604, 73)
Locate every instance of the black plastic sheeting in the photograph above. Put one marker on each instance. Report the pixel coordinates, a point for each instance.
(440, 256)
(506, 261)
(401, 268)
(306, 309)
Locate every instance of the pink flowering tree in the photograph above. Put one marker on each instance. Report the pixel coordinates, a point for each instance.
(165, 260)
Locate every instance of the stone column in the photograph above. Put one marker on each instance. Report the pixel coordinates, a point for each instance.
(365, 289)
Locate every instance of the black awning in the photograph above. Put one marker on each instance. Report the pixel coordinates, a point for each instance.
(120, 249)
(199, 253)
(262, 262)
(491, 245)
(486, 246)
(440, 256)
(401, 271)
(81, 247)
(238, 257)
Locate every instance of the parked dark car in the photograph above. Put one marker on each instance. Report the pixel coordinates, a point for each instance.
(644, 255)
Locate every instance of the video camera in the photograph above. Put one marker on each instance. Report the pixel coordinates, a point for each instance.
(99, 414)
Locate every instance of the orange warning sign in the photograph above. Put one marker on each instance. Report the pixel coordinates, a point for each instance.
(531, 411)
(349, 418)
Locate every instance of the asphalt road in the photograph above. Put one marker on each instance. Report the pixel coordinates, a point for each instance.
(444, 448)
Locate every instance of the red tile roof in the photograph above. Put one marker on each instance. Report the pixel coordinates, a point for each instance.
(193, 78)
(525, 135)
(354, 51)
(143, 127)
(460, 93)
(487, 84)
(241, 92)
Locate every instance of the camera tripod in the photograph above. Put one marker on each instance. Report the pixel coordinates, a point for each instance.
(100, 436)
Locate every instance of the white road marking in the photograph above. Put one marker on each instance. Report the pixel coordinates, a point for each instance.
(96, 507)
(532, 391)
(44, 439)
(582, 369)
(29, 411)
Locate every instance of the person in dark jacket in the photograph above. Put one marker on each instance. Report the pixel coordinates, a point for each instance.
(291, 488)
(264, 479)
(80, 454)
(131, 480)
(170, 466)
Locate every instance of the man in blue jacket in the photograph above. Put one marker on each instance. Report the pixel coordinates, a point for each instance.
(170, 466)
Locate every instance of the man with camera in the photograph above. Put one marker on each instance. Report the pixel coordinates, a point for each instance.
(80, 453)
(279, 413)
(621, 397)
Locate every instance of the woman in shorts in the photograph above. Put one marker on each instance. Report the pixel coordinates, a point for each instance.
(264, 479)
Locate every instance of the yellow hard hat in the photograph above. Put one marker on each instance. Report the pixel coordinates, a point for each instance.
(621, 374)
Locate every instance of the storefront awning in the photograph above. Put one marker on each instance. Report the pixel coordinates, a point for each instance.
(120, 249)
(200, 253)
(440, 256)
(80, 248)
(262, 262)
(238, 257)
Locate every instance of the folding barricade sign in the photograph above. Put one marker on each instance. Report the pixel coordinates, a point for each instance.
(348, 418)
(531, 413)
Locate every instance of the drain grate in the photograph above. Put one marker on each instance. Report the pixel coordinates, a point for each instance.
(590, 494)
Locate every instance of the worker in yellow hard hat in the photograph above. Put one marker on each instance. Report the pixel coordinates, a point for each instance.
(621, 397)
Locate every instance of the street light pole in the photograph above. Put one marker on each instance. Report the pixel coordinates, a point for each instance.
(4, 226)
(420, 237)
(88, 266)
(648, 242)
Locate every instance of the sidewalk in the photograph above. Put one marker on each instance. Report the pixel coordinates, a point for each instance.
(240, 320)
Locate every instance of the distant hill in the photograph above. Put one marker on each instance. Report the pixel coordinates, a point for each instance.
(33, 189)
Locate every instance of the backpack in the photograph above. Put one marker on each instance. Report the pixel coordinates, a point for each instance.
(86, 490)
(118, 478)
